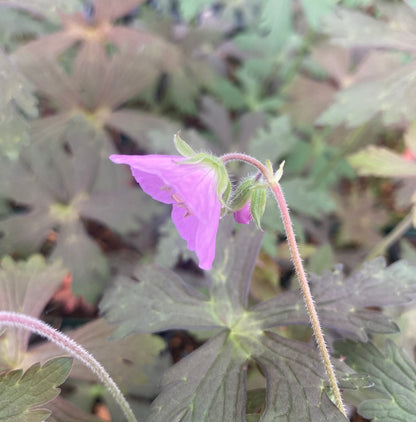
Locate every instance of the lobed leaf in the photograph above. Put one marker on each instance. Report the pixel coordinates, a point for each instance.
(60, 185)
(342, 303)
(202, 386)
(133, 362)
(295, 380)
(392, 96)
(21, 392)
(26, 287)
(393, 374)
(207, 386)
(160, 301)
(274, 142)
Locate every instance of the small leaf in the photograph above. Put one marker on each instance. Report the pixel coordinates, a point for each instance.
(394, 375)
(382, 162)
(20, 392)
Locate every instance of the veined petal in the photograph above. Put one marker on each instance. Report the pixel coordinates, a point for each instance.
(192, 190)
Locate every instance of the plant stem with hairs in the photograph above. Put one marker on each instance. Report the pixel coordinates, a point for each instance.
(13, 319)
(269, 176)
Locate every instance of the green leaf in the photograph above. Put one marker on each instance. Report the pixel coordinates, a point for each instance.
(321, 259)
(49, 9)
(305, 199)
(21, 392)
(392, 96)
(382, 162)
(171, 247)
(351, 28)
(139, 126)
(83, 257)
(232, 272)
(393, 374)
(196, 388)
(295, 374)
(16, 94)
(342, 303)
(227, 93)
(160, 301)
(316, 10)
(61, 190)
(26, 287)
(137, 370)
(276, 20)
(190, 8)
(273, 142)
(206, 386)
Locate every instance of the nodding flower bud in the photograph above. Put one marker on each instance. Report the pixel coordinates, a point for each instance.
(249, 201)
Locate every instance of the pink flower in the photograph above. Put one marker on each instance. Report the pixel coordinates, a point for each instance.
(192, 190)
(243, 215)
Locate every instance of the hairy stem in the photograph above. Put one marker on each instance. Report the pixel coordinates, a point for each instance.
(300, 271)
(16, 320)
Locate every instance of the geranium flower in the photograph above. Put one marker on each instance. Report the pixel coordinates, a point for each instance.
(191, 188)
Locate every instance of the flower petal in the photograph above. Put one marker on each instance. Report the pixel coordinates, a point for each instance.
(192, 190)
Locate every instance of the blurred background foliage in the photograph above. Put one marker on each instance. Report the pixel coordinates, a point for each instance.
(328, 86)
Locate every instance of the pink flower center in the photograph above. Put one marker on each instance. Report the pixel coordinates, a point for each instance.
(179, 201)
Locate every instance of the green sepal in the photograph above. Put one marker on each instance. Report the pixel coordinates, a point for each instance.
(279, 173)
(258, 205)
(224, 184)
(182, 147)
(242, 194)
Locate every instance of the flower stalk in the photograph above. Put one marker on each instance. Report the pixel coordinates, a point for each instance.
(34, 325)
(272, 180)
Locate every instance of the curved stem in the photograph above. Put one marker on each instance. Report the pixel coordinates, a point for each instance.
(14, 319)
(307, 295)
(300, 271)
(392, 237)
